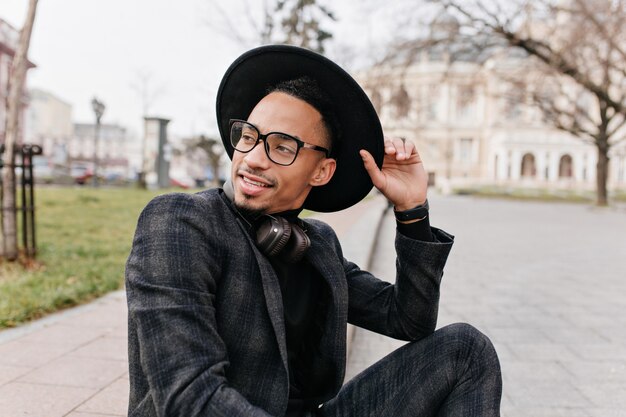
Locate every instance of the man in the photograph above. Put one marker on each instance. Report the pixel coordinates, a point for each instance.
(239, 308)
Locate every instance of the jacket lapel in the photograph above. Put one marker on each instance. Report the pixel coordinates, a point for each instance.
(272, 296)
(328, 263)
(323, 257)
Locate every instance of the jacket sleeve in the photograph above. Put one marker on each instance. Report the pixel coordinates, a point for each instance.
(171, 286)
(408, 309)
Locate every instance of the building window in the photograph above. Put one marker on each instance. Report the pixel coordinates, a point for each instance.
(431, 179)
(529, 168)
(402, 102)
(565, 166)
(5, 65)
(465, 149)
(513, 100)
(431, 100)
(465, 101)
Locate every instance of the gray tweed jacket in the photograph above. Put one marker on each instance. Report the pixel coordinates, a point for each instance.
(206, 333)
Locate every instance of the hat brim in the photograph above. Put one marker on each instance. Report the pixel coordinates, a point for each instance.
(246, 82)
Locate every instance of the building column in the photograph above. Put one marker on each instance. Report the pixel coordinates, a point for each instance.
(516, 165)
(494, 166)
(553, 167)
(541, 163)
(592, 160)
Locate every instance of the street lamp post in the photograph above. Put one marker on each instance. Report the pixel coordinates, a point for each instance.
(98, 108)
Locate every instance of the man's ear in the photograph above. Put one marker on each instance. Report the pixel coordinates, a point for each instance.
(324, 172)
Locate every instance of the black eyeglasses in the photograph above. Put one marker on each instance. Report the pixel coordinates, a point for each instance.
(280, 148)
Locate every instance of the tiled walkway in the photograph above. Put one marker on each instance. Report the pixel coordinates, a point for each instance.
(72, 364)
(547, 283)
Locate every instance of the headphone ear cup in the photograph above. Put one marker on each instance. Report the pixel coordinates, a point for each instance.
(272, 235)
(297, 246)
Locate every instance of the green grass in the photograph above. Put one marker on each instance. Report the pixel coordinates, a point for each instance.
(538, 194)
(84, 236)
(620, 196)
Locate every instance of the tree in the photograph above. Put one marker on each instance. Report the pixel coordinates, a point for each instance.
(292, 22)
(147, 92)
(212, 149)
(577, 49)
(19, 66)
(300, 23)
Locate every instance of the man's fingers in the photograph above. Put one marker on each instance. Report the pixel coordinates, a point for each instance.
(409, 148)
(378, 179)
(390, 149)
(401, 147)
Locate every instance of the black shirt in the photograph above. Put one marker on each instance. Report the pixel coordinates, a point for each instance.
(303, 293)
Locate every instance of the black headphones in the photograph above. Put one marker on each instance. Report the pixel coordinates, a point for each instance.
(275, 235)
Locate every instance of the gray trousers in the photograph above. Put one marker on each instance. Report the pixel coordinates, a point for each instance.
(453, 372)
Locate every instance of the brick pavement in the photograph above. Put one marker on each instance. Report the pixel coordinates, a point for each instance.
(74, 363)
(547, 283)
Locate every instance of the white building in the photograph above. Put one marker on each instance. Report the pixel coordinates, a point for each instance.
(472, 127)
(48, 123)
(113, 143)
(67, 145)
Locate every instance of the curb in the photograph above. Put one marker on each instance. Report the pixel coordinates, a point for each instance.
(359, 244)
(13, 333)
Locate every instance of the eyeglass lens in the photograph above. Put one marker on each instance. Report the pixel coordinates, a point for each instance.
(281, 149)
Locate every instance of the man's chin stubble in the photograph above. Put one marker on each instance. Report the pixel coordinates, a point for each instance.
(249, 211)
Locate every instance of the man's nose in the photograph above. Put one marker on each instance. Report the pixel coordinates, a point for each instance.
(257, 157)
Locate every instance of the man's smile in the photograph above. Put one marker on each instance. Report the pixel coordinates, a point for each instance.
(249, 181)
(251, 184)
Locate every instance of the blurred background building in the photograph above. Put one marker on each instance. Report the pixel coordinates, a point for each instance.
(49, 124)
(112, 149)
(462, 102)
(68, 147)
(473, 126)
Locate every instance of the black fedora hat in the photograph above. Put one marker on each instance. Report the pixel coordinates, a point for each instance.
(246, 82)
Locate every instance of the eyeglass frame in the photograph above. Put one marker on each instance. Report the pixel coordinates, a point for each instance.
(261, 136)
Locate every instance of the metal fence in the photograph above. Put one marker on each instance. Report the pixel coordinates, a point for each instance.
(25, 204)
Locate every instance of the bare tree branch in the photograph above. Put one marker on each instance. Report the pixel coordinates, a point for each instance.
(225, 25)
(544, 52)
(148, 94)
(570, 71)
(602, 28)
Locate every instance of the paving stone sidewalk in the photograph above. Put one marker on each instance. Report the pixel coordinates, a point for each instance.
(547, 283)
(75, 364)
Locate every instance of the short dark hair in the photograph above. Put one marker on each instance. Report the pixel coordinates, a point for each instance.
(308, 90)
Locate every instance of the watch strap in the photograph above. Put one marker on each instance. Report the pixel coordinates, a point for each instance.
(416, 213)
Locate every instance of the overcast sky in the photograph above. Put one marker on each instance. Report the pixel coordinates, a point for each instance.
(87, 48)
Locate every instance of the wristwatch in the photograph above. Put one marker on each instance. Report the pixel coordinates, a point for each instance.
(416, 213)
